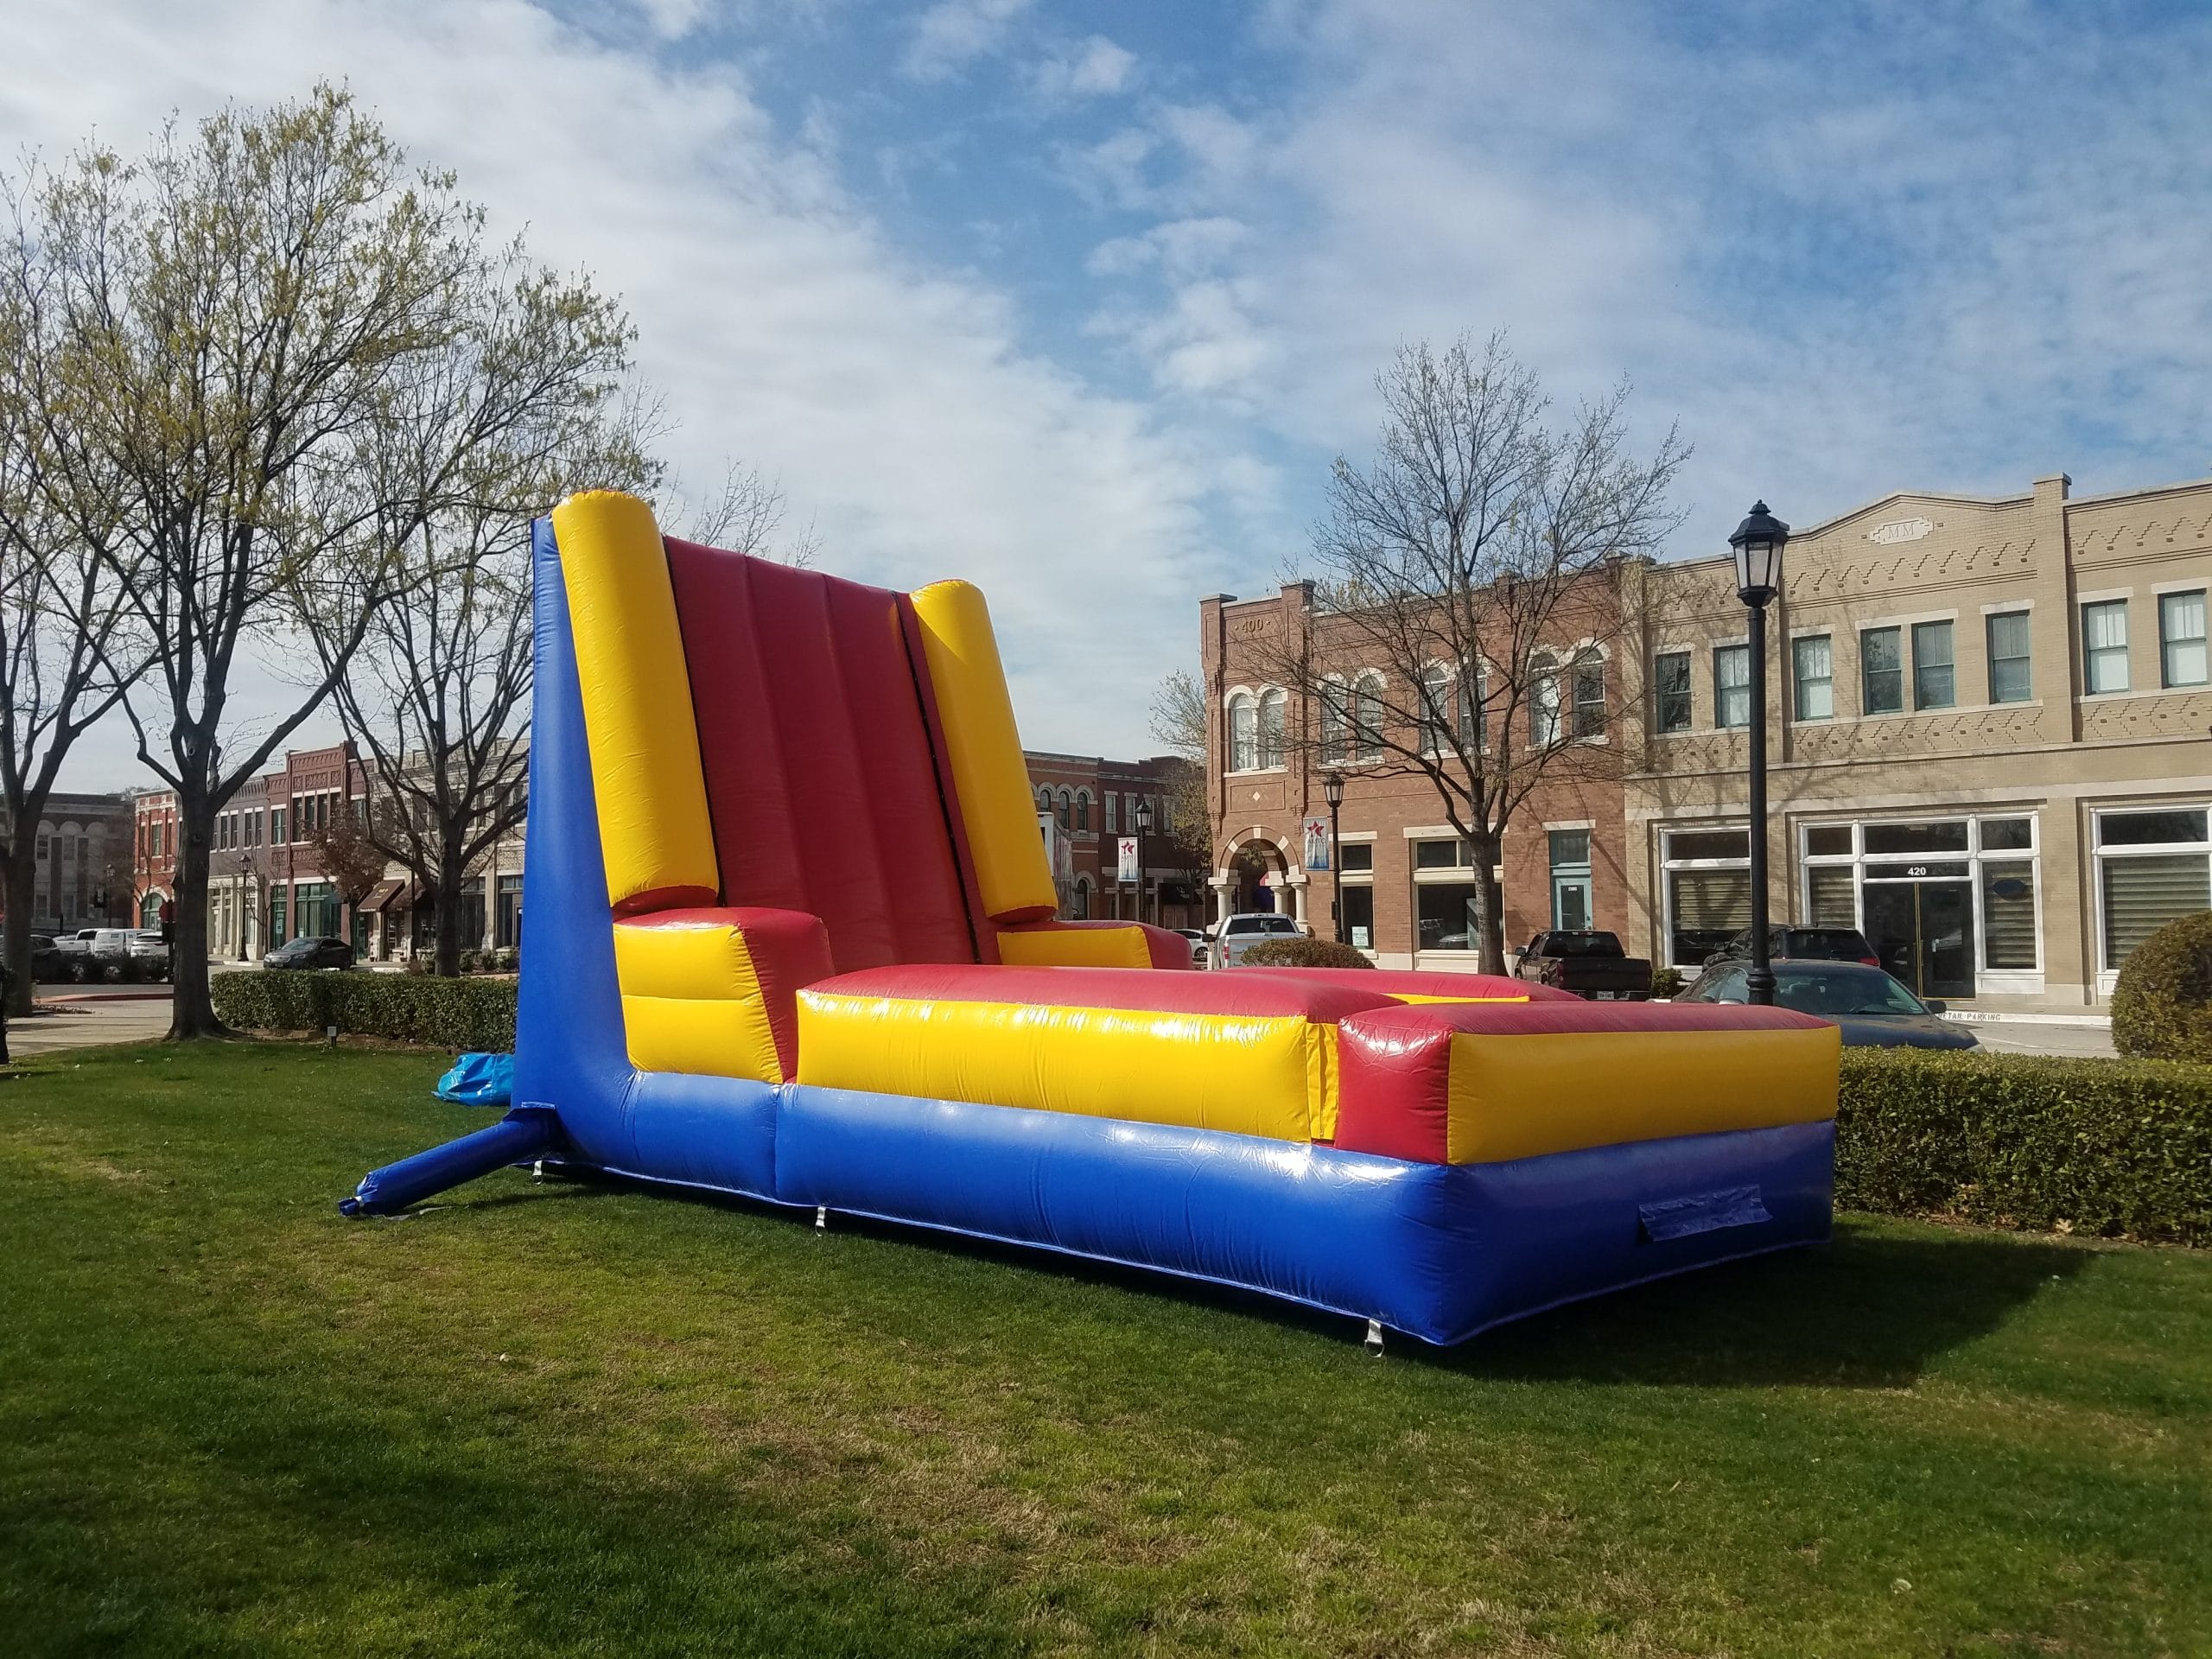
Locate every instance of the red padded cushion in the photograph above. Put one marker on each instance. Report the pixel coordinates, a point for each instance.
(1138, 989)
(820, 776)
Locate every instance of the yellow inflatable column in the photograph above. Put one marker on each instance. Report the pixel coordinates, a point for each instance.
(996, 808)
(653, 826)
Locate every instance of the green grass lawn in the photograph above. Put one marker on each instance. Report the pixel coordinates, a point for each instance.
(570, 1418)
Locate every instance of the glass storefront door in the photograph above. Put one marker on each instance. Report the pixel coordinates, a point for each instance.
(1923, 929)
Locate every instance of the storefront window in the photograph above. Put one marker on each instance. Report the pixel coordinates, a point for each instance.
(508, 934)
(1943, 903)
(1445, 911)
(1359, 916)
(1708, 892)
(2008, 915)
(2152, 868)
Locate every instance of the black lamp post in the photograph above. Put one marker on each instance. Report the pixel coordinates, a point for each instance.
(1144, 828)
(1333, 791)
(1758, 542)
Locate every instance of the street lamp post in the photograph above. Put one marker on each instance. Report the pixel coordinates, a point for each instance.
(1333, 791)
(246, 863)
(1144, 828)
(1758, 542)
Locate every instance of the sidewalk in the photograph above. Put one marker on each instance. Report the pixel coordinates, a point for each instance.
(82, 1018)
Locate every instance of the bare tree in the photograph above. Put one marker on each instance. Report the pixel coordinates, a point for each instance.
(746, 515)
(1178, 725)
(67, 649)
(1467, 596)
(346, 852)
(266, 314)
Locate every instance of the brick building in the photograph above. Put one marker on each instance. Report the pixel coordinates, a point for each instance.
(1990, 748)
(1089, 804)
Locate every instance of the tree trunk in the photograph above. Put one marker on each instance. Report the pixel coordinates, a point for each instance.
(448, 962)
(192, 1011)
(18, 879)
(1489, 905)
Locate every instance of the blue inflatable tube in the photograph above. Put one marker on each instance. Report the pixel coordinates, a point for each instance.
(517, 1138)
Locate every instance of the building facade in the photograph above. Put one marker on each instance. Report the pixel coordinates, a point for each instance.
(1407, 888)
(1086, 806)
(1989, 739)
(83, 850)
(1990, 746)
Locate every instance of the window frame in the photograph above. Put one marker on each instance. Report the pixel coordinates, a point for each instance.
(2096, 656)
(2107, 972)
(2168, 640)
(1741, 652)
(1799, 679)
(1662, 694)
(1243, 727)
(2026, 658)
(1895, 632)
(1921, 668)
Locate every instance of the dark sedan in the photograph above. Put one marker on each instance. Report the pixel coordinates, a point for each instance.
(310, 951)
(1873, 1010)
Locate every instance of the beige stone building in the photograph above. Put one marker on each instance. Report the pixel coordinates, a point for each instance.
(1990, 740)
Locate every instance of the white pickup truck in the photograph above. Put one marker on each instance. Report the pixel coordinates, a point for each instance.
(1237, 934)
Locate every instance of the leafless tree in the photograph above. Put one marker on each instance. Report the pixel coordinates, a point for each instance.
(746, 515)
(264, 315)
(1466, 598)
(1178, 725)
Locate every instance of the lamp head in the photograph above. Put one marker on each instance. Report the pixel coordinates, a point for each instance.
(1758, 542)
(1144, 816)
(1332, 789)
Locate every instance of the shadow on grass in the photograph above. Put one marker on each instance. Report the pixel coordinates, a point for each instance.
(1870, 1310)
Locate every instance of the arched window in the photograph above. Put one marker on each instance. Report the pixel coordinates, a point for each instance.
(1079, 901)
(1589, 695)
(1273, 705)
(1474, 716)
(1543, 700)
(1367, 718)
(1244, 733)
(1436, 710)
(1067, 809)
(1335, 717)
(1083, 808)
(1044, 800)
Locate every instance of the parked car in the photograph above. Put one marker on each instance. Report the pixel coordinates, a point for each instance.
(49, 961)
(149, 954)
(1198, 948)
(310, 950)
(1237, 934)
(1873, 1009)
(1801, 944)
(1590, 963)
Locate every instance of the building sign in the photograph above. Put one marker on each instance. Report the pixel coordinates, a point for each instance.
(1317, 844)
(1899, 530)
(1129, 870)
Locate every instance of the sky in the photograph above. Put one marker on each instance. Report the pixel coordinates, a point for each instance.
(1080, 300)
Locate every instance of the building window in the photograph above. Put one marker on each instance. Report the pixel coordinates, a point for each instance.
(1813, 666)
(2010, 680)
(1590, 697)
(1935, 678)
(1244, 733)
(1708, 891)
(1571, 908)
(1367, 718)
(2104, 646)
(1079, 901)
(276, 826)
(1544, 699)
(2181, 639)
(1067, 809)
(1881, 672)
(1731, 685)
(1670, 680)
(1356, 894)
(1445, 894)
(1474, 709)
(1082, 810)
(1111, 802)
(2152, 868)
(1334, 722)
(507, 924)
(1435, 709)
(1942, 903)
(1273, 706)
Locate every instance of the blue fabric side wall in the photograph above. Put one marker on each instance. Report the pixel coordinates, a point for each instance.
(1439, 1251)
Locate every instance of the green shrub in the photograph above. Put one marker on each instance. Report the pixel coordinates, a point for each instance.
(1303, 953)
(2089, 1146)
(2162, 1006)
(456, 1013)
(1668, 981)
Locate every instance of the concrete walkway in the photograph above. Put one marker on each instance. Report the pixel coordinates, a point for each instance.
(79, 1016)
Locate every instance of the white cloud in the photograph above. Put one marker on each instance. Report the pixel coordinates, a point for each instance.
(953, 33)
(1093, 68)
(896, 406)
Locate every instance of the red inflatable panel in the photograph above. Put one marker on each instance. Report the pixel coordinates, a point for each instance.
(817, 759)
(1139, 989)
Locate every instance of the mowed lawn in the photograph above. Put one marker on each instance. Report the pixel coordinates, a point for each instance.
(580, 1419)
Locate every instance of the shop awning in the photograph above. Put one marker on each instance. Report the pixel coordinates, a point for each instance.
(380, 895)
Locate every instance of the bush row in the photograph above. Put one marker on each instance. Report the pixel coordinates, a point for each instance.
(2105, 1146)
(456, 1013)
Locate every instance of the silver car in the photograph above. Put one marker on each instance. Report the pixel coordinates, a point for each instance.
(1238, 934)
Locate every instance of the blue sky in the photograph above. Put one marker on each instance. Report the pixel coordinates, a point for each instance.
(1080, 300)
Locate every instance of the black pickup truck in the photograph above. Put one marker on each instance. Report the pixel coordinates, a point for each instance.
(1589, 964)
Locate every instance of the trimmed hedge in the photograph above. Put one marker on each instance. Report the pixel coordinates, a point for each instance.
(2112, 1148)
(458, 1014)
(2162, 1006)
(1303, 953)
